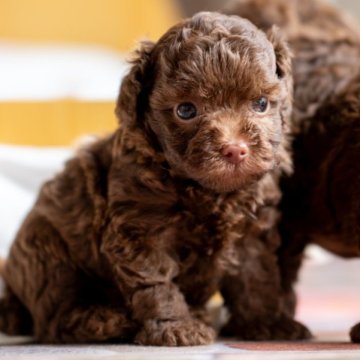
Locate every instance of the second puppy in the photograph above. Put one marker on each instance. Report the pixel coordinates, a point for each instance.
(321, 199)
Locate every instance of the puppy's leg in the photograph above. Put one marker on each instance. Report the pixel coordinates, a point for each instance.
(66, 313)
(145, 274)
(355, 333)
(166, 318)
(43, 276)
(253, 296)
(290, 257)
(15, 319)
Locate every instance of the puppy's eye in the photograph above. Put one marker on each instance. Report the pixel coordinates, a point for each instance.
(261, 104)
(186, 111)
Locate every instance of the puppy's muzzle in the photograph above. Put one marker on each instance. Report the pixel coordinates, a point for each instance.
(235, 153)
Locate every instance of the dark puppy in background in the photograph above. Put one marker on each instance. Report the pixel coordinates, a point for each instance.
(141, 228)
(321, 201)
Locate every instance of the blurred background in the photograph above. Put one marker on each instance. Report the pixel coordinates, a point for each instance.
(61, 61)
(61, 64)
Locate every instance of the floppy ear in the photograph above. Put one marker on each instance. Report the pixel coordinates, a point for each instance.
(283, 57)
(133, 91)
(282, 53)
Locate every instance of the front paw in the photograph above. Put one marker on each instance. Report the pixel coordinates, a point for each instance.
(355, 333)
(282, 328)
(175, 333)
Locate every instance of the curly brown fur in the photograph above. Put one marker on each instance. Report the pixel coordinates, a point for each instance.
(140, 229)
(321, 199)
(2, 265)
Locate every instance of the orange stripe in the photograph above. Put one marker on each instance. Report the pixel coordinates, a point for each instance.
(54, 123)
(114, 23)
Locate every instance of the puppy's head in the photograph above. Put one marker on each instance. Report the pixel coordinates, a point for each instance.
(214, 94)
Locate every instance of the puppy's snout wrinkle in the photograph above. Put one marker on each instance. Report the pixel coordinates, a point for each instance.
(235, 153)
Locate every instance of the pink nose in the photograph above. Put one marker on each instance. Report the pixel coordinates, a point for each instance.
(235, 153)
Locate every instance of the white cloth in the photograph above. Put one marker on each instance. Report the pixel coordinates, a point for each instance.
(22, 171)
(38, 72)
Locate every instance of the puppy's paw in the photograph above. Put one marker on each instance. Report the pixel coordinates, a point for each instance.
(14, 317)
(90, 324)
(355, 333)
(282, 328)
(104, 323)
(175, 333)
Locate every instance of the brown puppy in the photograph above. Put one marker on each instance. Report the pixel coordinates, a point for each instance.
(141, 228)
(321, 200)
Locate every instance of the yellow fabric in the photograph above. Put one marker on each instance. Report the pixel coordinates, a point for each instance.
(114, 23)
(54, 123)
(117, 24)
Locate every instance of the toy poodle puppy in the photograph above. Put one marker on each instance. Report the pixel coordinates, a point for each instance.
(141, 228)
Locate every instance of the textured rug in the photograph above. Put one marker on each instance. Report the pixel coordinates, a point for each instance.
(329, 300)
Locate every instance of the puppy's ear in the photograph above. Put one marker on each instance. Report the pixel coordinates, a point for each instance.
(282, 52)
(133, 90)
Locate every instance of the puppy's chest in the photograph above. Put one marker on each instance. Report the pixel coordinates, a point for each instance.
(208, 229)
(213, 231)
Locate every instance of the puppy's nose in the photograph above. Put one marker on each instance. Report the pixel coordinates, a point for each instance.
(235, 153)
